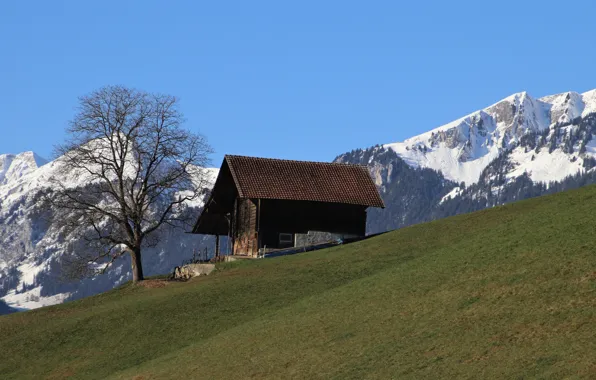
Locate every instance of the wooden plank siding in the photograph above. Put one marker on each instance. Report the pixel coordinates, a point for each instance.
(245, 231)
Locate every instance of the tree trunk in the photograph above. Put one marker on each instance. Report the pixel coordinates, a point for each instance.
(137, 265)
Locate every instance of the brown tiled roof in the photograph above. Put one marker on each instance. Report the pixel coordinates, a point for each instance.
(268, 178)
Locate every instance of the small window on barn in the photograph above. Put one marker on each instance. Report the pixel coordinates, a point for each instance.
(286, 240)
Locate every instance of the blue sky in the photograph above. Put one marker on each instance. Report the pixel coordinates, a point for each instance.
(304, 81)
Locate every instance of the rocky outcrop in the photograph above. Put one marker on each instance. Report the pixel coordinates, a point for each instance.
(188, 271)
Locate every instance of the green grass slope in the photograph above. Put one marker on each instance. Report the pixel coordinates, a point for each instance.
(503, 293)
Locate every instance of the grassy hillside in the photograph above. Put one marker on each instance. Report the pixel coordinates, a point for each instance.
(503, 293)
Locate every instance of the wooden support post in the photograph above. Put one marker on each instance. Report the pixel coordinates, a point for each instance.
(258, 226)
(216, 245)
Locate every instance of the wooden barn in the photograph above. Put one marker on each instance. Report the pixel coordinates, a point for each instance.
(267, 204)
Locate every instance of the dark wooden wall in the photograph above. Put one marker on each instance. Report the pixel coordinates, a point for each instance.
(302, 216)
(259, 223)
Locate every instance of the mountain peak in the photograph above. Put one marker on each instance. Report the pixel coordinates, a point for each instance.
(33, 157)
(14, 166)
(518, 97)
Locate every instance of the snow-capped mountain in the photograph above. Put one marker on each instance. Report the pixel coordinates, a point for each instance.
(32, 249)
(517, 148)
(462, 149)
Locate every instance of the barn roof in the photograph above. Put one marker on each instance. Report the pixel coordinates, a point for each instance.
(268, 178)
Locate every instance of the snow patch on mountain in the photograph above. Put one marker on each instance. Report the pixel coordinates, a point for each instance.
(543, 166)
(447, 161)
(452, 194)
(33, 299)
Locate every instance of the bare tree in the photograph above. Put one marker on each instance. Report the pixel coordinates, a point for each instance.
(141, 169)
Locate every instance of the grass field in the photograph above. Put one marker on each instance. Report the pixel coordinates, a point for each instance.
(503, 293)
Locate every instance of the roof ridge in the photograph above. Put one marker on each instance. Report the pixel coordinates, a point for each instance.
(289, 160)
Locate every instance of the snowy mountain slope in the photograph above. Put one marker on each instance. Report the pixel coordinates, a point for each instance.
(32, 252)
(13, 167)
(462, 149)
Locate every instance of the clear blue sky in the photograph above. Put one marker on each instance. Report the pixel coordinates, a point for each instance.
(303, 81)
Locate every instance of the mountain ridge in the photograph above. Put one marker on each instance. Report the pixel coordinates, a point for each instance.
(461, 149)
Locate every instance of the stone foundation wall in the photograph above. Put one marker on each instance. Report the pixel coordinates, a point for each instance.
(316, 237)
